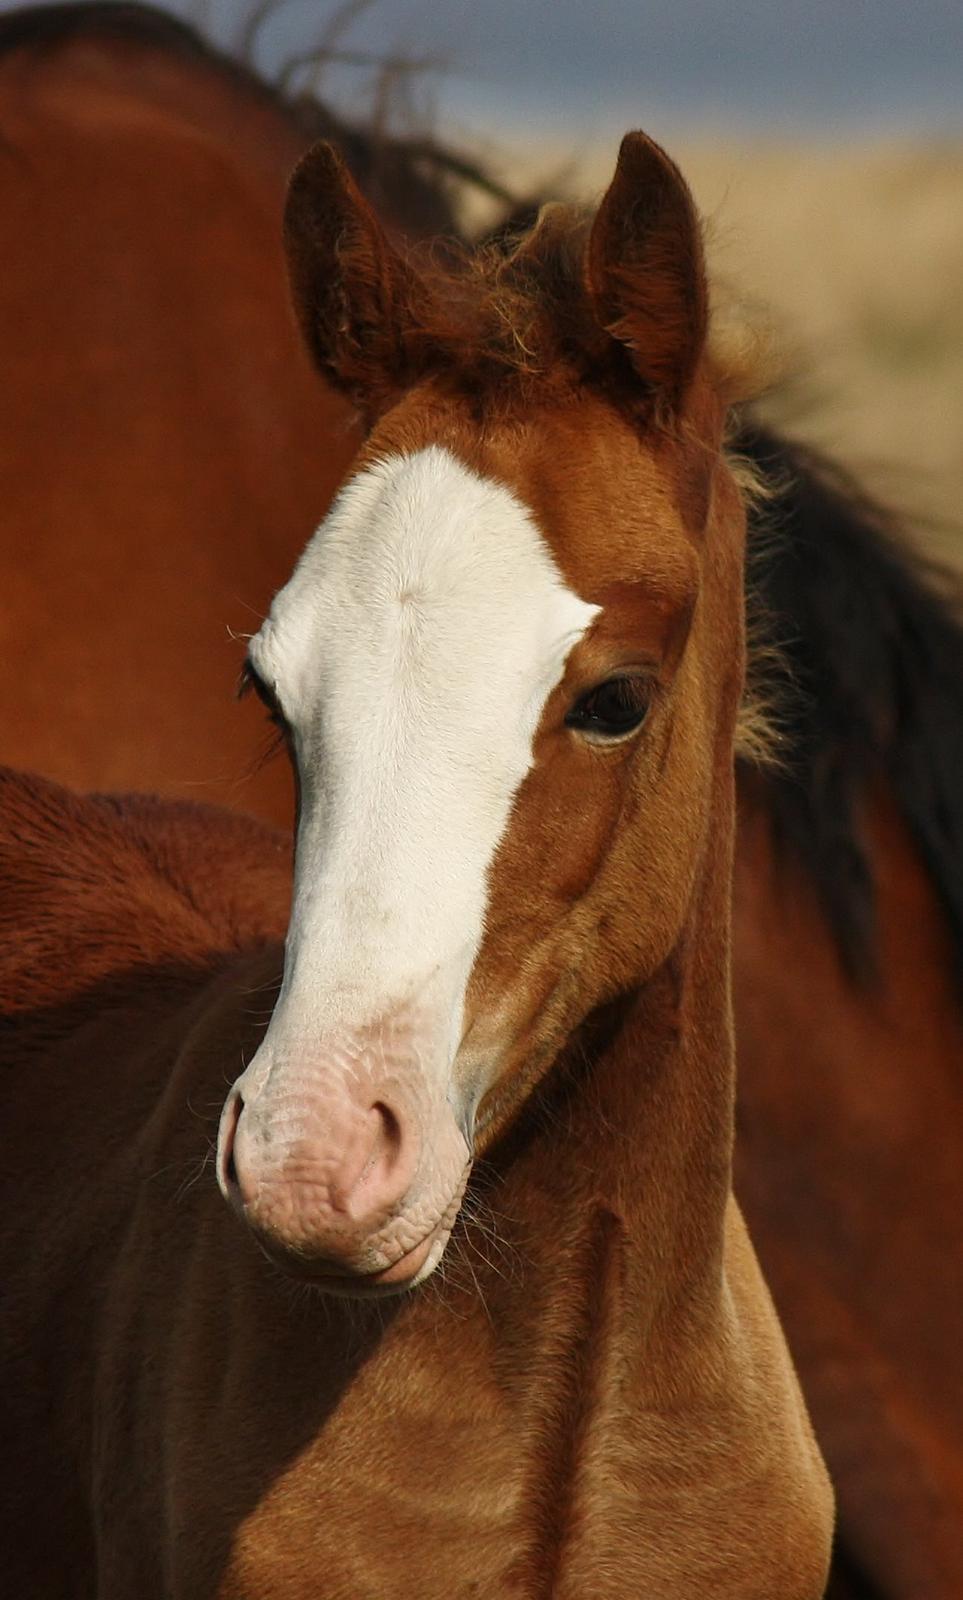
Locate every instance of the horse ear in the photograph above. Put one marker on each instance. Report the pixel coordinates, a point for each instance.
(352, 292)
(646, 273)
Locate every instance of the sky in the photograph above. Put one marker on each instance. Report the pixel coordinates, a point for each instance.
(582, 68)
(588, 66)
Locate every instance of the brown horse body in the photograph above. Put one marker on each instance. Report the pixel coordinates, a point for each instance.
(195, 457)
(178, 1420)
(619, 1412)
(155, 483)
(849, 1163)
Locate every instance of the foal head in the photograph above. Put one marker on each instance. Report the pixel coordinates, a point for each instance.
(507, 666)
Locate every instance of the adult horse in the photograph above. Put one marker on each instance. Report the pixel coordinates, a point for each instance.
(165, 444)
(187, 447)
(489, 625)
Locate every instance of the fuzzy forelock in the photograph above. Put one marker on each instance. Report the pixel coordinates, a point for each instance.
(520, 310)
(516, 310)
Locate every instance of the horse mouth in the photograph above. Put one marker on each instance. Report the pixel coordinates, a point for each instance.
(406, 1272)
(402, 1275)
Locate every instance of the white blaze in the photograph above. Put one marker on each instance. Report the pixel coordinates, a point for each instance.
(413, 651)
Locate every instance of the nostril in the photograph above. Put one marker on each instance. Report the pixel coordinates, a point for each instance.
(390, 1139)
(227, 1168)
(378, 1175)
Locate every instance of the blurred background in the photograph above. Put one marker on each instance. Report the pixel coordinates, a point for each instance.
(824, 141)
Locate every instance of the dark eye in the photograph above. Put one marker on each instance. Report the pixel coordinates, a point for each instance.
(612, 709)
(252, 680)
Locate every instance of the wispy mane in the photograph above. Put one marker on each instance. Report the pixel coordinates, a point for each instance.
(518, 306)
(858, 642)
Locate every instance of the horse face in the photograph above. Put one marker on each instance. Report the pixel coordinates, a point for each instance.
(502, 796)
(411, 655)
(504, 741)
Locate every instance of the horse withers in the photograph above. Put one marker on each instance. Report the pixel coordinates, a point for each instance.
(498, 1067)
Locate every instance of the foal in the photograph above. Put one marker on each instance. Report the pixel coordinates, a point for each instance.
(508, 669)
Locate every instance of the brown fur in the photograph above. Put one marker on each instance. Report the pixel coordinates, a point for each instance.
(854, 1201)
(532, 317)
(165, 447)
(620, 1414)
(200, 524)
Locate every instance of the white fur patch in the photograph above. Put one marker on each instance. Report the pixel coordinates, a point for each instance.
(413, 651)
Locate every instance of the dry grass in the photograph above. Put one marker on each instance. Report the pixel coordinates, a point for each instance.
(856, 253)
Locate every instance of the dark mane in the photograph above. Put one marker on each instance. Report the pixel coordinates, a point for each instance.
(415, 179)
(869, 659)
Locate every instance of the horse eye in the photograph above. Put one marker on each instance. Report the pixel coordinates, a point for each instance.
(252, 680)
(612, 709)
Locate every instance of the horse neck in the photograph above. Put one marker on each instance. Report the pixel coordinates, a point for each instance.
(627, 1179)
(656, 1406)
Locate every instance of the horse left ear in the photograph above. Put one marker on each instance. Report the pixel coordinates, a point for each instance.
(353, 294)
(646, 271)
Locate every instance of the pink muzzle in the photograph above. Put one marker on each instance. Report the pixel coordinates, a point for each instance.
(349, 1166)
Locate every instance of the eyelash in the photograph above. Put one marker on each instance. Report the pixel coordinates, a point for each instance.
(612, 710)
(250, 681)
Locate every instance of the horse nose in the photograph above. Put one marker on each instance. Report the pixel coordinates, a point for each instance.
(226, 1170)
(319, 1179)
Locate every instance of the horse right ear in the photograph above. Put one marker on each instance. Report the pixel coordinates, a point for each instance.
(645, 269)
(353, 294)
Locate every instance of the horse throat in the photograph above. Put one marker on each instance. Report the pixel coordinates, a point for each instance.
(634, 1123)
(620, 1186)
